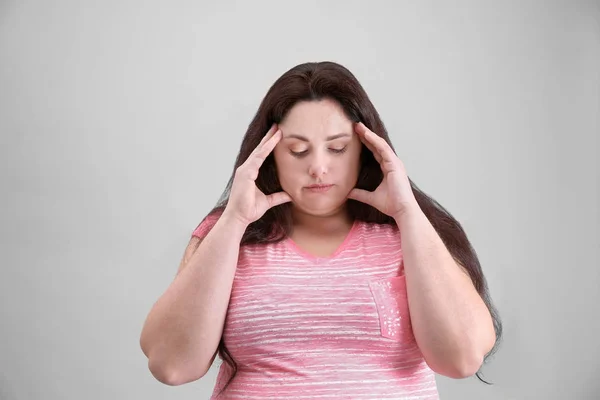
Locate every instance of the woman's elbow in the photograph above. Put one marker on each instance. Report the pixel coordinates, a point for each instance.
(172, 376)
(465, 362)
(459, 367)
(171, 372)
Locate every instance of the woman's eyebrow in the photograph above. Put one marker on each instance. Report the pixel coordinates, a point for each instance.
(304, 139)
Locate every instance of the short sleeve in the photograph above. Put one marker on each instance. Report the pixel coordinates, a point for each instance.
(206, 225)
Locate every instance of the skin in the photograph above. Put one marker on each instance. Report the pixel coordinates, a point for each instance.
(451, 323)
(318, 146)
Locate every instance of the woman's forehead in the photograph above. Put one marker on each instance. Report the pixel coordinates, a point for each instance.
(322, 120)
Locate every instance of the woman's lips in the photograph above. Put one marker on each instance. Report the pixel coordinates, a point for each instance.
(318, 188)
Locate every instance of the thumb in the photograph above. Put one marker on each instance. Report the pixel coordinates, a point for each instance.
(364, 196)
(278, 198)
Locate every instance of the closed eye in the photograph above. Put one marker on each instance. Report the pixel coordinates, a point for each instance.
(298, 153)
(303, 153)
(340, 151)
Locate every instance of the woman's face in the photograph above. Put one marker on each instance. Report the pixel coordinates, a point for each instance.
(318, 147)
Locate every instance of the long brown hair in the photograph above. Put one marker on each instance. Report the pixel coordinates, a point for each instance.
(316, 81)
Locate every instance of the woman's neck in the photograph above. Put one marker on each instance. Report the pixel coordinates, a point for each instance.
(334, 223)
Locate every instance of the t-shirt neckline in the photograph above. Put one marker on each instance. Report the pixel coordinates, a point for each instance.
(343, 246)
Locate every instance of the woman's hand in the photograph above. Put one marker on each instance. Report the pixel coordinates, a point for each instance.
(394, 195)
(246, 202)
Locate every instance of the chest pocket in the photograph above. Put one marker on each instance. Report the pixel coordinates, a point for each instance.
(391, 299)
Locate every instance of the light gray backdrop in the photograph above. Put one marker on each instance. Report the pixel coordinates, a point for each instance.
(120, 122)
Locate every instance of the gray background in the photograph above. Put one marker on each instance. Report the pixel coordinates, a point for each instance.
(120, 122)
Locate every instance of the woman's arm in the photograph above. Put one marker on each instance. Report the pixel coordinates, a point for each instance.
(450, 321)
(183, 329)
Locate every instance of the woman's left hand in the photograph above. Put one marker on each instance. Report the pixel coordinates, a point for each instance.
(394, 196)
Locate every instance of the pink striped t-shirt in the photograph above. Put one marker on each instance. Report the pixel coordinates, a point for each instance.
(338, 327)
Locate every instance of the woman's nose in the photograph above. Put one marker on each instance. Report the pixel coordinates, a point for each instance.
(318, 166)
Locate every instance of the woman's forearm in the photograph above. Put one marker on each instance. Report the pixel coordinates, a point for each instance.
(450, 321)
(184, 327)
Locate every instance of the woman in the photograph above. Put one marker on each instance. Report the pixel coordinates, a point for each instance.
(323, 271)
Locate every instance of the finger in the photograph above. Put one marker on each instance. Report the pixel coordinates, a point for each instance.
(364, 196)
(278, 198)
(269, 145)
(267, 136)
(261, 154)
(361, 135)
(381, 147)
(369, 137)
(374, 152)
(361, 130)
(270, 133)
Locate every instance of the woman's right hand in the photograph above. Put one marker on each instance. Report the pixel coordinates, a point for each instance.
(246, 202)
